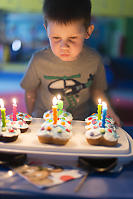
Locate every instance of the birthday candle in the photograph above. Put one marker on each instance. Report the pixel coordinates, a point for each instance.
(59, 105)
(99, 109)
(3, 114)
(104, 112)
(14, 109)
(54, 109)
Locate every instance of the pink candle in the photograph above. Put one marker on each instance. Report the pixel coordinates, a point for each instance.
(14, 109)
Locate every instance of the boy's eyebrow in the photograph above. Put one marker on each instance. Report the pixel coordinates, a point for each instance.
(74, 35)
(53, 35)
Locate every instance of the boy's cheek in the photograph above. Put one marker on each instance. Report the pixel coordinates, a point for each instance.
(55, 51)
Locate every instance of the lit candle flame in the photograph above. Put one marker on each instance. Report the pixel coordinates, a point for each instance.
(99, 101)
(54, 101)
(10, 173)
(104, 105)
(14, 101)
(2, 103)
(58, 96)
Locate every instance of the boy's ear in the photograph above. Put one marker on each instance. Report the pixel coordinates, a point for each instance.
(45, 27)
(89, 31)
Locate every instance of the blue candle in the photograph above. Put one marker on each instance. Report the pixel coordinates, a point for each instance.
(104, 112)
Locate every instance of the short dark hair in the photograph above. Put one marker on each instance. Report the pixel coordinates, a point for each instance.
(65, 11)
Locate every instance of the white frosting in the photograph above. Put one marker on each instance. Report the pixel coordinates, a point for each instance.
(94, 130)
(9, 131)
(62, 122)
(18, 124)
(91, 126)
(91, 116)
(54, 131)
(93, 134)
(110, 137)
(65, 115)
(20, 116)
(24, 116)
(93, 122)
(109, 121)
(97, 125)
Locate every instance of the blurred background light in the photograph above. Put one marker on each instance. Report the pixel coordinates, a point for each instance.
(16, 45)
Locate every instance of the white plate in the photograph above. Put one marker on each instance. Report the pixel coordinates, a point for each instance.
(77, 146)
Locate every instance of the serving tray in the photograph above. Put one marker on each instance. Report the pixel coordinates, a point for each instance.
(77, 146)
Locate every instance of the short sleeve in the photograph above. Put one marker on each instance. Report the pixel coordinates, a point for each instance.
(31, 78)
(100, 82)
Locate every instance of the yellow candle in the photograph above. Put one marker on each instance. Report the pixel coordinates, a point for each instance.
(99, 109)
(3, 113)
(54, 109)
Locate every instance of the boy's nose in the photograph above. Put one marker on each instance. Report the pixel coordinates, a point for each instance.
(64, 44)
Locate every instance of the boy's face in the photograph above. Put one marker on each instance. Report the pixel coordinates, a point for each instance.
(66, 40)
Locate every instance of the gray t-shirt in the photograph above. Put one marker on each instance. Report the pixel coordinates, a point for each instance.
(50, 76)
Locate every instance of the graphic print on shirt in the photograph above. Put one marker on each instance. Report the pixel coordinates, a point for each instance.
(68, 87)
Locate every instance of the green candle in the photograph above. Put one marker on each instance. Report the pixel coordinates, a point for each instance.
(3, 113)
(59, 105)
(99, 109)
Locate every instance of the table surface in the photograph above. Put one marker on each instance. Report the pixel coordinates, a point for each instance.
(98, 185)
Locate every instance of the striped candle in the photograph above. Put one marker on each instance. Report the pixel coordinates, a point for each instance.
(104, 113)
(55, 112)
(3, 113)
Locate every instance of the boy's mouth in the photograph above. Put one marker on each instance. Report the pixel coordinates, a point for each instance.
(65, 55)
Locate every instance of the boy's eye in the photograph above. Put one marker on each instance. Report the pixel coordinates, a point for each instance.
(56, 38)
(73, 37)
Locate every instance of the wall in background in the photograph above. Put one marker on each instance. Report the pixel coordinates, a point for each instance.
(112, 36)
(99, 7)
(111, 8)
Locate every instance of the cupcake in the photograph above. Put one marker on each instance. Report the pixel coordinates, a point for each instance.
(20, 124)
(110, 138)
(100, 136)
(54, 134)
(9, 134)
(96, 135)
(25, 117)
(20, 116)
(62, 122)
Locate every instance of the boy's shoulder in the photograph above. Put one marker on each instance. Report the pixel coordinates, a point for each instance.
(90, 52)
(42, 53)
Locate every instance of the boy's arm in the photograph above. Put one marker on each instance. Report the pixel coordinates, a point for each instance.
(96, 94)
(30, 97)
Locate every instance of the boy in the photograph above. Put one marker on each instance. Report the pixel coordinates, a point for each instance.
(67, 67)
